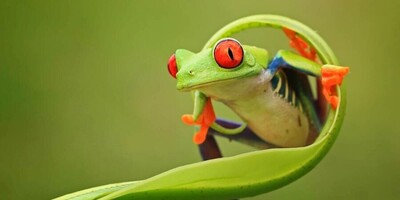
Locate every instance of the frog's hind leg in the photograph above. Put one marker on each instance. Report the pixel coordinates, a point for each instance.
(209, 148)
(246, 136)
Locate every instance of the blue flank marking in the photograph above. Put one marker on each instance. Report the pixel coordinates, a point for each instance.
(282, 90)
(273, 68)
(274, 81)
(290, 95)
(276, 63)
(281, 76)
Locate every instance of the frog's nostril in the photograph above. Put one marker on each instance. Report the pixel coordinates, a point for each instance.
(191, 72)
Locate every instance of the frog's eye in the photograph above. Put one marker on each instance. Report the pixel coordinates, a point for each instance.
(228, 53)
(172, 67)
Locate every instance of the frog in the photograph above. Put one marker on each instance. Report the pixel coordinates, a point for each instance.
(255, 86)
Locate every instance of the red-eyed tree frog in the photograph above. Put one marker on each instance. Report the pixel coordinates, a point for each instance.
(260, 89)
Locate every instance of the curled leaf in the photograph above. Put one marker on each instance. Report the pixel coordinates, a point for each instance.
(246, 174)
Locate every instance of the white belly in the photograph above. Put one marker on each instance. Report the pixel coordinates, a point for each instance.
(278, 123)
(269, 116)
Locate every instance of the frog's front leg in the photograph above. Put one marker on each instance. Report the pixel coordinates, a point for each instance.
(203, 116)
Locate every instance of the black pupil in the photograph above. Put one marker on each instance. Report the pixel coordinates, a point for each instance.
(230, 53)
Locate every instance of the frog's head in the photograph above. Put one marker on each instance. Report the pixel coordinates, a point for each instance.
(227, 60)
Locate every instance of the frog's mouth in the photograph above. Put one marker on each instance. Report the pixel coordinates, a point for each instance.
(201, 85)
(194, 86)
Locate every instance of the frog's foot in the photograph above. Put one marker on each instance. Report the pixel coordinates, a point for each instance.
(331, 77)
(205, 120)
(300, 45)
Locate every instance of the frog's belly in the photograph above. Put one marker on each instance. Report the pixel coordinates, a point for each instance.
(270, 116)
(276, 121)
(288, 129)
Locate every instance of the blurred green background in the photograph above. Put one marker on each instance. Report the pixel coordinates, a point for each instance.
(86, 100)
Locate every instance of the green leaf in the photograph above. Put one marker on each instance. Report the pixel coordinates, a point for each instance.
(247, 174)
(239, 176)
(96, 192)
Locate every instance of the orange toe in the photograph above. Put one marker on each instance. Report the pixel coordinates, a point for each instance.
(200, 136)
(332, 76)
(188, 119)
(205, 120)
(300, 45)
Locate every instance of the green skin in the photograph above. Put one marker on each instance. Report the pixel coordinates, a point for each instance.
(247, 90)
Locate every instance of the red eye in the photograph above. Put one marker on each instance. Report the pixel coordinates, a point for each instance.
(228, 53)
(172, 67)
